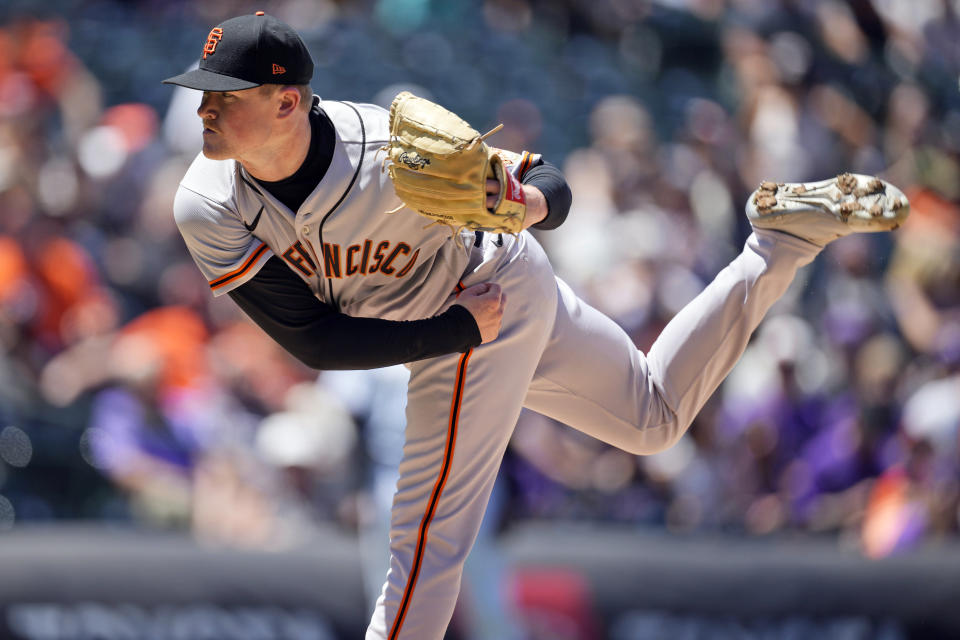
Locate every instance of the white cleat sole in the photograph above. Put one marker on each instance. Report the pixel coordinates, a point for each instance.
(829, 209)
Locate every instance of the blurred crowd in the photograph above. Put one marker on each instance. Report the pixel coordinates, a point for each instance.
(128, 393)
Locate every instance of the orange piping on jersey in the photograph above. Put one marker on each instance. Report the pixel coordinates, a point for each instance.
(240, 271)
(435, 495)
(524, 164)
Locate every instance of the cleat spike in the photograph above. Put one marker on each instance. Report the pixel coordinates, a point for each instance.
(820, 212)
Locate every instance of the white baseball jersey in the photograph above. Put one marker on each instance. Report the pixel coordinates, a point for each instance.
(354, 256)
(554, 354)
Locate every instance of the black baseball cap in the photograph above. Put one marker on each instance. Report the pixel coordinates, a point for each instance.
(246, 52)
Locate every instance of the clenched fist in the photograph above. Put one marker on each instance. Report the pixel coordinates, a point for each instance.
(485, 302)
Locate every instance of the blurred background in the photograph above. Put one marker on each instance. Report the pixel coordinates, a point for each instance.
(167, 472)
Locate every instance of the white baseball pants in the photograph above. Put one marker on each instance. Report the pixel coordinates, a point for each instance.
(560, 357)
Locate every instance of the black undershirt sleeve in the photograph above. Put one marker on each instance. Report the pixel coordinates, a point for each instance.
(551, 183)
(282, 304)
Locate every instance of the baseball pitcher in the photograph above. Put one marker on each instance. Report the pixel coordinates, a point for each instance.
(359, 237)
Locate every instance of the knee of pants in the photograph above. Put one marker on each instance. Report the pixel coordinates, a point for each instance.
(651, 440)
(661, 429)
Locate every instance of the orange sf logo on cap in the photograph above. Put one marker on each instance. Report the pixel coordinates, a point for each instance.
(215, 36)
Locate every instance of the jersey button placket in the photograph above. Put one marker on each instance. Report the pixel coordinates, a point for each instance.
(307, 242)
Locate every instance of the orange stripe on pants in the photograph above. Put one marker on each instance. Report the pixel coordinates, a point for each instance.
(435, 495)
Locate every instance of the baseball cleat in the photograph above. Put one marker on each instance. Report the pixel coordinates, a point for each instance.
(824, 211)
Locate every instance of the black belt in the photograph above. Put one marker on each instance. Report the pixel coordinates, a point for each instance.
(478, 239)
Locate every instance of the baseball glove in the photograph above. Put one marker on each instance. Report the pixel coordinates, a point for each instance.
(439, 165)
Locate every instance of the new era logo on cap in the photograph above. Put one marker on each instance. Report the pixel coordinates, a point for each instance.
(246, 52)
